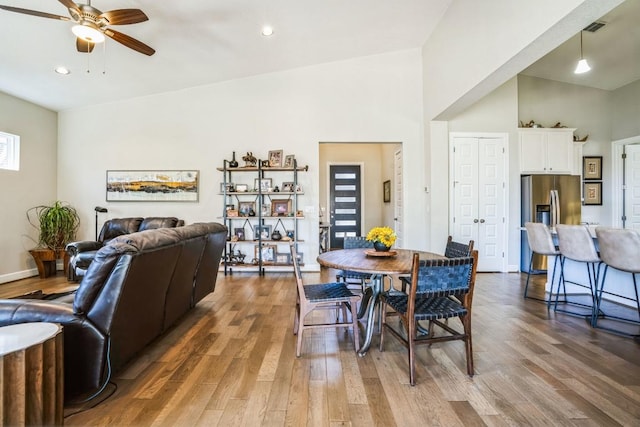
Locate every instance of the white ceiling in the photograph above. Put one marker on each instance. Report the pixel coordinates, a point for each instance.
(613, 52)
(198, 42)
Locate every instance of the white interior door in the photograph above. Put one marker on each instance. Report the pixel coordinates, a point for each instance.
(632, 187)
(398, 200)
(479, 197)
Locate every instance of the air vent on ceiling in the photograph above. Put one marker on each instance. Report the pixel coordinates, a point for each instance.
(594, 26)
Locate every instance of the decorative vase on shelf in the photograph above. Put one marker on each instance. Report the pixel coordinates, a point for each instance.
(233, 163)
(381, 247)
(276, 235)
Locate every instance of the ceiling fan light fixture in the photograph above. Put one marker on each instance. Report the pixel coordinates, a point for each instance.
(88, 33)
(267, 31)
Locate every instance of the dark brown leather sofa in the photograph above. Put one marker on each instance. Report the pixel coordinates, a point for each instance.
(82, 253)
(137, 287)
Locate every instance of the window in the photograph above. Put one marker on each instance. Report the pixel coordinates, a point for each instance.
(9, 151)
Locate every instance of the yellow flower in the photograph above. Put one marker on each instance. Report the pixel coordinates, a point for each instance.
(384, 235)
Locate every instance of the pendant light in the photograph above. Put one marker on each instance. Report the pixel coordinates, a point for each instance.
(582, 66)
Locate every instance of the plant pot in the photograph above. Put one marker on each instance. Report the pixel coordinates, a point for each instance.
(381, 247)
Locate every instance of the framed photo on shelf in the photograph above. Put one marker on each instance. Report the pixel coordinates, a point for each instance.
(239, 233)
(242, 188)
(262, 232)
(386, 191)
(262, 184)
(592, 193)
(288, 161)
(246, 207)
(280, 207)
(266, 210)
(592, 168)
(283, 258)
(287, 187)
(229, 187)
(275, 158)
(268, 253)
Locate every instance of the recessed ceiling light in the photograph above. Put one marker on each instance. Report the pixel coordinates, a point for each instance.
(267, 31)
(62, 70)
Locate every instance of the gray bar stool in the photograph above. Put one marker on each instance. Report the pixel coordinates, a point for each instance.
(620, 249)
(541, 242)
(575, 243)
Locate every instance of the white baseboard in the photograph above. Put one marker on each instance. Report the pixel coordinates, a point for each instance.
(5, 278)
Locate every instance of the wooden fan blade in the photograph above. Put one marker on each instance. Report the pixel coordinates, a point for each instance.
(129, 42)
(70, 5)
(124, 16)
(84, 46)
(35, 13)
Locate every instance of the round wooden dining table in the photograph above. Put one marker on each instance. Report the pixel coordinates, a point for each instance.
(379, 266)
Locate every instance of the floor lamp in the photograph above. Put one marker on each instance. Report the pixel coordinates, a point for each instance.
(101, 210)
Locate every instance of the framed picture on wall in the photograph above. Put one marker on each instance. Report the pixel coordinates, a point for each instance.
(592, 193)
(592, 168)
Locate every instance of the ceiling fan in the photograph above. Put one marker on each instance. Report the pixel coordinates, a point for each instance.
(92, 24)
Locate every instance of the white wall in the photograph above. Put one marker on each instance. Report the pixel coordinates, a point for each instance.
(625, 111)
(376, 98)
(587, 109)
(34, 184)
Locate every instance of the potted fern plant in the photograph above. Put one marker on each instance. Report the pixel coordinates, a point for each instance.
(57, 225)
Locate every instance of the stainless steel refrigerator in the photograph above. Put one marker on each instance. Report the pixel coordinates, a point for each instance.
(550, 199)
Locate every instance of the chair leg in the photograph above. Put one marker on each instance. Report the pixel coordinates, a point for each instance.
(411, 338)
(383, 316)
(526, 286)
(466, 322)
(354, 320)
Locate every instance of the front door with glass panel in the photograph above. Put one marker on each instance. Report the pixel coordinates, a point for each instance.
(345, 199)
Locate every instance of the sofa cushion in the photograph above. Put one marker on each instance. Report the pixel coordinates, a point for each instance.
(118, 226)
(158, 222)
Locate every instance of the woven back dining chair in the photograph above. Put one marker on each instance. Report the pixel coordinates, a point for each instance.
(453, 249)
(440, 289)
(324, 296)
(353, 277)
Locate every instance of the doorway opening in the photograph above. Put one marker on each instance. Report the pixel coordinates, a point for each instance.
(362, 192)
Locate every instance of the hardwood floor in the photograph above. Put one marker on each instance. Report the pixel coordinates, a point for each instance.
(231, 361)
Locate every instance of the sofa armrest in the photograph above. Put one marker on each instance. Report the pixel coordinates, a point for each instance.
(13, 311)
(82, 246)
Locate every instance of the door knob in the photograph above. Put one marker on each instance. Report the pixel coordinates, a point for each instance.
(482, 221)
(475, 221)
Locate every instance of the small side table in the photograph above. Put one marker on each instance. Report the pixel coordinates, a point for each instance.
(32, 374)
(46, 261)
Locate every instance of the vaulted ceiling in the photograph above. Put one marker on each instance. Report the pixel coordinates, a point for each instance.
(200, 42)
(197, 42)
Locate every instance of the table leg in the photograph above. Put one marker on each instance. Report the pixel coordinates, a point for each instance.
(372, 300)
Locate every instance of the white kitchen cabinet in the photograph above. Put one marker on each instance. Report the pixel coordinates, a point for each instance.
(548, 151)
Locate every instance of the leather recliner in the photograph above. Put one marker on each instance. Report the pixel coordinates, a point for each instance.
(137, 287)
(83, 252)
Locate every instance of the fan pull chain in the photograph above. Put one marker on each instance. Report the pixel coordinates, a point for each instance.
(88, 60)
(104, 58)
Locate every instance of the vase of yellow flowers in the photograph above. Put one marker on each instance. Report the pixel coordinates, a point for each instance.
(382, 237)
